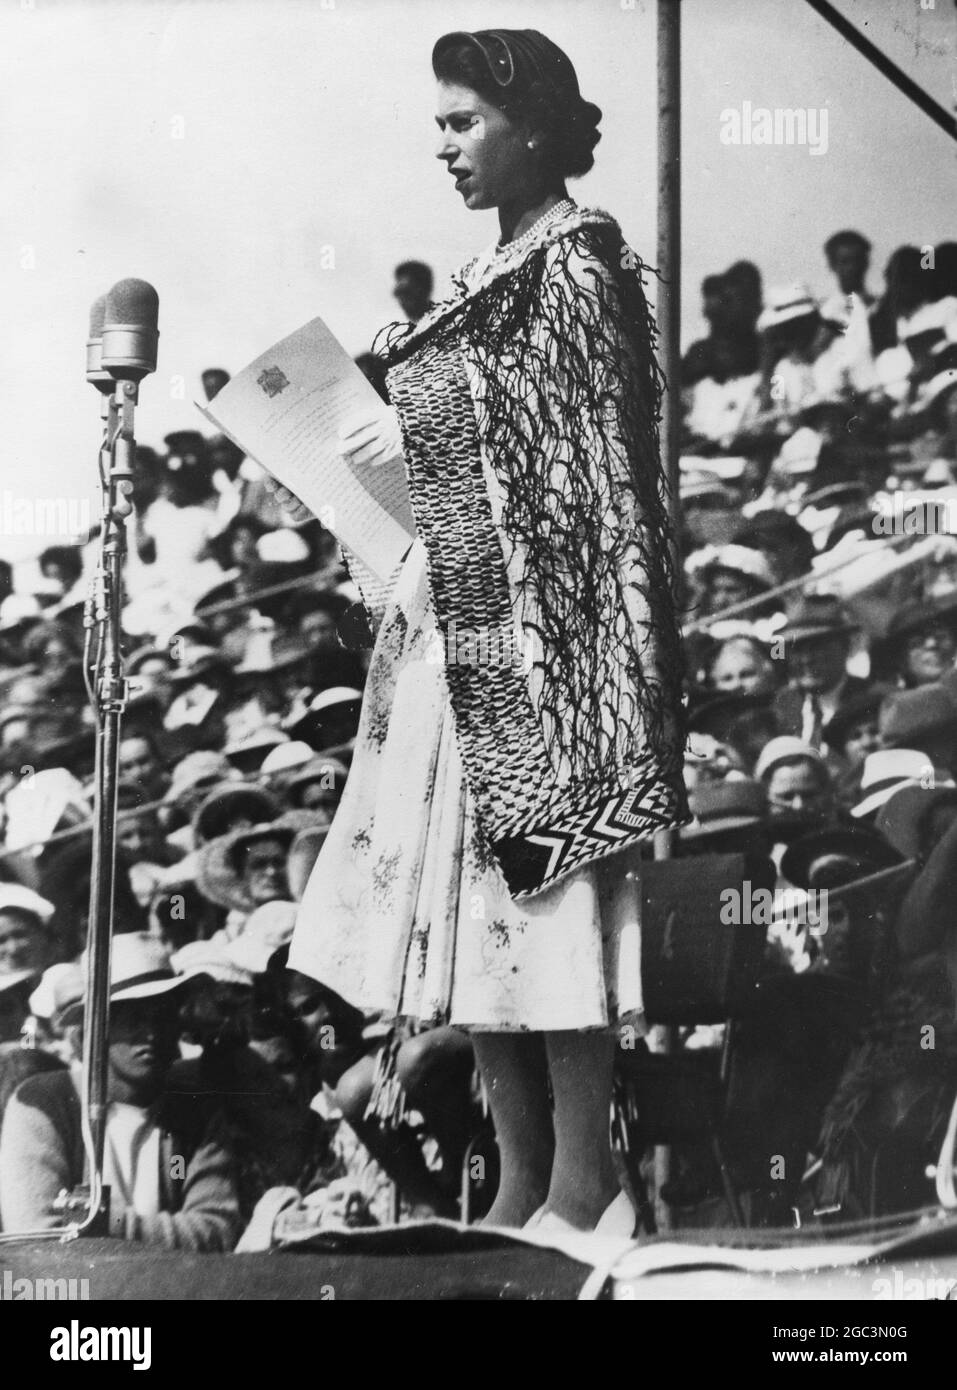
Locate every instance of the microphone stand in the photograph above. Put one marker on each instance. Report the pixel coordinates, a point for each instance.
(109, 690)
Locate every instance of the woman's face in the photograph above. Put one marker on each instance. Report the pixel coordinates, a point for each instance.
(485, 151)
(741, 670)
(23, 943)
(930, 652)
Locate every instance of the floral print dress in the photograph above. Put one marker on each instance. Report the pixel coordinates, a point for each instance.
(406, 910)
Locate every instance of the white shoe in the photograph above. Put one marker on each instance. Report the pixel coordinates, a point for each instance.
(618, 1219)
(535, 1219)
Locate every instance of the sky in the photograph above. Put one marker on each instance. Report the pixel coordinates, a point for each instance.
(264, 161)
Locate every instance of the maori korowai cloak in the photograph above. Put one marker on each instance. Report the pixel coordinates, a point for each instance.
(543, 371)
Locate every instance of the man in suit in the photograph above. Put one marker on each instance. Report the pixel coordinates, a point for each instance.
(817, 642)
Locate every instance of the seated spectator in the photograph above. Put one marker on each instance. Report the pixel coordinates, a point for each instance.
(904, 288)
(743, 666)
(920, 644)
(316, 785)
(849, 258)
(26, 949)
(41, 1146)
(413, 289)
(924, 718)
(65, 880)
(61, 986)
(140, 838)
(245, 1071)
(887, 771)
(62, 565)
(818, 641)
(193, 778)
(798, 785)
(230, 807)
(141, 766)
(196, 718)
(331, 719)
(150, 668)
(432, 1074)
(730, 575)
(741, 724)
(885, 1122)
(852, 732)
(247, 869)
(790, 328)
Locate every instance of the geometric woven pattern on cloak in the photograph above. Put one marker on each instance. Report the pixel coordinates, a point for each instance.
(571, 433)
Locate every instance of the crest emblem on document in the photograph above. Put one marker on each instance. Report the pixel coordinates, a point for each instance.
(272, 380)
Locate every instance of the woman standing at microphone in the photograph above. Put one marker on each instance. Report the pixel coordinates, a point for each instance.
(521, 727)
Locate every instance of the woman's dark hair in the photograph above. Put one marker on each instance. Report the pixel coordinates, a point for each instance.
(569, 127)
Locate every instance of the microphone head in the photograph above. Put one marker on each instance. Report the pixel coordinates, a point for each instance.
(96, 375)
(97, 317)
(130, 334)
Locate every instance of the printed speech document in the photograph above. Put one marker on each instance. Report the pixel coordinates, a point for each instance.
(285, 410)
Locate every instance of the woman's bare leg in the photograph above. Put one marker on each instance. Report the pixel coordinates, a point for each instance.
(513, 1067)
(584, 1181)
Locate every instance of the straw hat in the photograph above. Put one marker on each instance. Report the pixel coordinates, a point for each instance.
(139, 969)
(887, 770)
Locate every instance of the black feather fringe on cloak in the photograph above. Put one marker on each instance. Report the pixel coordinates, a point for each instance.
(548, 370)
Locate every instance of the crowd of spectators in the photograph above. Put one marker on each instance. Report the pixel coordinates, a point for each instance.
(819, 458)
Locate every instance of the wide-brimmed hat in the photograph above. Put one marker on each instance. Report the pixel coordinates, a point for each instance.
(217, 872)
(784, 303)
(853, 710)
(15, 897)
(139, 658)
(815, 616)
(887, 770)
(203, 767)
(206, 664)
(696, 487)
(210, 958)
(913, 615)
(742, 560)
(861, 851)
(266, 929)
(60, 986)
(900, 820)
(284, 652)
(330, 772)
(910, 716)
(286, 757)
(785, 749)
(719, 714)
(139, 969)
(731, 804)
(248, 751)
(226, 801)
(337, 699)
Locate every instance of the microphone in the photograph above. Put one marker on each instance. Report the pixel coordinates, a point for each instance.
(130, 334)
(95, 373)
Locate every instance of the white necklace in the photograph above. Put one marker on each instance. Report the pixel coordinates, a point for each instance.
(560, 209)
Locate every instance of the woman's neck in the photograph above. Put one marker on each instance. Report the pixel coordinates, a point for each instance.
(515, 218)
